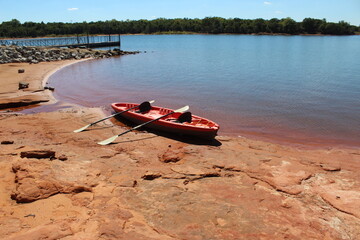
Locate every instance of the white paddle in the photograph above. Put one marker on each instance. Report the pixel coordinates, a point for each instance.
(89, 125)
(110, 140)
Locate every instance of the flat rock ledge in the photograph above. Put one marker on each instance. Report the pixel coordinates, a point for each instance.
(22, 101)
(16, 54)
(37, 179)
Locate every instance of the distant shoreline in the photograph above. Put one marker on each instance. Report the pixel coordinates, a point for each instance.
(194, 33)
(207, 25)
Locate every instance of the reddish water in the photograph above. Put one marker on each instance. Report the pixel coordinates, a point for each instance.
(299, 90)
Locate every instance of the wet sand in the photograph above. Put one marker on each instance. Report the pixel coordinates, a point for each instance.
(148, 186)
(36, 75)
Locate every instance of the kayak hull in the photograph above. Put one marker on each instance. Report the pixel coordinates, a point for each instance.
(199, 126)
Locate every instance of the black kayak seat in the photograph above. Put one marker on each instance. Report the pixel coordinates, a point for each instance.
(185, 117)
(144, 107)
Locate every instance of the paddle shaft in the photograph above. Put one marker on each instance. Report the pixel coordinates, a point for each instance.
(91, 124)
(145, 123)
(112, 115)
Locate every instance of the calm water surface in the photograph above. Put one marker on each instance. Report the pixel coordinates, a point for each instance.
(299, 89)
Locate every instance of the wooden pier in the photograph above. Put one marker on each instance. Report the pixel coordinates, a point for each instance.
(70, 42)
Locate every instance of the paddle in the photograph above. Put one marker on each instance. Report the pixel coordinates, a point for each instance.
(139, 106)
(110, 140)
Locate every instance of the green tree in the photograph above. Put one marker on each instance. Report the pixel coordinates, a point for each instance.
(273, 25)
(214, 25)
(341, 28)
(259, 25)
(311, 25)
(289, 26)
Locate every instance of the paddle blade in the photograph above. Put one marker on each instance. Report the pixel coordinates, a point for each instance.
(152, 101)
(183, 109)
(108, 141)
(82, 129)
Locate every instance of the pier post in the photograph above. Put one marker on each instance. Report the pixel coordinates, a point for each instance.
(119, 42)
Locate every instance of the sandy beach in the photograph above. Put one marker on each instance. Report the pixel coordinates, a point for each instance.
(56, 184)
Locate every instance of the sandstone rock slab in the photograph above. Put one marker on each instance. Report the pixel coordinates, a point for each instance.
(36, 179)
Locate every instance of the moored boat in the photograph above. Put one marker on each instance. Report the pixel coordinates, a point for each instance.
(179, 123)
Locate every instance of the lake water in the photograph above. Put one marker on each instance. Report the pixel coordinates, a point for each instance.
(298, 89)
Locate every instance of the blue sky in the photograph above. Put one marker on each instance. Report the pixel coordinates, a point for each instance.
(91, 10)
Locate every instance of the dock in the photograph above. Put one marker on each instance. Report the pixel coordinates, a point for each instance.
(69, 42)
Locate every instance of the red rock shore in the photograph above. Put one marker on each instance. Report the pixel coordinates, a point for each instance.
(56, 184)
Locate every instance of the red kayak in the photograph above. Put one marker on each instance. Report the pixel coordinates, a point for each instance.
(180, 123)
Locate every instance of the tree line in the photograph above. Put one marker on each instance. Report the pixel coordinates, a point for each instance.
(211, 25)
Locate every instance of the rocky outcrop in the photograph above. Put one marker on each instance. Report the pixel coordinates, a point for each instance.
(38, 154)
(23, 85)
(36, 179)
(33, 55)
(171, 156)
